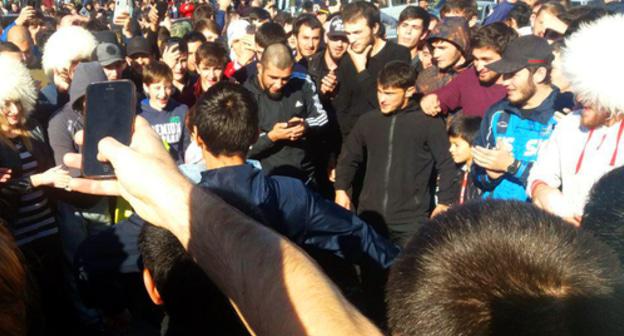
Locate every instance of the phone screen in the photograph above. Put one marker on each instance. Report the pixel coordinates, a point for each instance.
(123, 6)
(111, 107)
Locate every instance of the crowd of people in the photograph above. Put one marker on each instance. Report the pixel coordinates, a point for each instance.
(309, 174)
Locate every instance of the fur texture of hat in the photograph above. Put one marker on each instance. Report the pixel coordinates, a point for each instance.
(66, 45)
(16, 84)
(592, 62)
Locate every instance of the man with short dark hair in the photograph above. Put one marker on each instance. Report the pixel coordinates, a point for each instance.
(514, 128)
(412, 31)
(308, 31)
(289, 112)
(224, 124)
(401, 146)
(504, 268)
(173, 280)
(519, 18)
(267, 34)
(367, 54)
(475, 89)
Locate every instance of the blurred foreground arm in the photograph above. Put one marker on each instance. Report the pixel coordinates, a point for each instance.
(276, 286)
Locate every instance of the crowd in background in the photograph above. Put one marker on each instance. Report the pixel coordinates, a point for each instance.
(460, 177)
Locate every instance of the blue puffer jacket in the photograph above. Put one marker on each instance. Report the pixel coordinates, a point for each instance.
(524, 131)
(287, 206)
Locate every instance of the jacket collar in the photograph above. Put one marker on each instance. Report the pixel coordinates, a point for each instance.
(542, 113)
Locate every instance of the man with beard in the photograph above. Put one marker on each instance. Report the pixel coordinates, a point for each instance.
(289, 112)
(477, 88)
(322, 68)
(586, 144)
(514, 128)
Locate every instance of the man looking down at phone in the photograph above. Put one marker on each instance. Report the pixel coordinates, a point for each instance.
(166, 115)
(514, 128)
(288, 113)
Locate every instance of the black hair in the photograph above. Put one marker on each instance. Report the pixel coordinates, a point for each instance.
(464, 127)
(194, 36)
(504, 268)
(270, 33)
(308, 20)
(397, 74)
(495, 36)
(604, 211)
(212, 54)
(521, 13)
(9, 47)
(202, 11)
(190, 298)
(591, 14)
(260, 14)
(361, 9)
(283, 18)
(175, 41)
(226, 117)
(415, 12)
(466, 7)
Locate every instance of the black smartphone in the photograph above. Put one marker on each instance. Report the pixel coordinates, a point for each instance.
(110, 111)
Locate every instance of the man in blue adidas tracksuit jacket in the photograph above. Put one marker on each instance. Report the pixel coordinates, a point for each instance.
(514, 128)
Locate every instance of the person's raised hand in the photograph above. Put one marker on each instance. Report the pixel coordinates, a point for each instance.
(154, 18)
(25, 14)
(329, 82)
(359, 59)
(146, 176)
(5, 174)
(170, 55)
(430, 104)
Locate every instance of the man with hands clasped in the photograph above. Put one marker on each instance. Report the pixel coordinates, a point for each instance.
(514, 128)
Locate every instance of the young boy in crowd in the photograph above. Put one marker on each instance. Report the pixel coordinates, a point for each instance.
(162, 112)
(461, 131)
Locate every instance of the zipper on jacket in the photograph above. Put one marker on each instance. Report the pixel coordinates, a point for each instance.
(388, 166)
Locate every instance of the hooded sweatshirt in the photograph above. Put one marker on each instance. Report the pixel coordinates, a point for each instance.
(170, 125)
(454, 30)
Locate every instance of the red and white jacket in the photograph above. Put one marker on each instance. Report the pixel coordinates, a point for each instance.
(574, 158)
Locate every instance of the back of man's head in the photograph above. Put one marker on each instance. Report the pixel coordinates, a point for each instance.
(604, 211)
(192, 302)
(226, 117)
(277, 55)
(495, 36)
(270, 33)
(520, 14)
(504, 268)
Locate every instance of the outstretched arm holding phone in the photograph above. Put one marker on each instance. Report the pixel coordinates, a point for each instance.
(277, 288)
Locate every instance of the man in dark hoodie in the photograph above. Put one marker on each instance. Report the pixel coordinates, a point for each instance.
(401, 145)
(450, 45)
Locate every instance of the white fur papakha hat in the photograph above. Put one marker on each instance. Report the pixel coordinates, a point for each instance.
(592, 62)
(16, 85)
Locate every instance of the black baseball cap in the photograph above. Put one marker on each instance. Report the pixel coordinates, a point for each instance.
(523, 52)
(138, 45)
(336, 27)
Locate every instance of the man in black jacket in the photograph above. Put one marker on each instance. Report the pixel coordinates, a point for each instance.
(401, 146)
(289, 114)
(368, 52)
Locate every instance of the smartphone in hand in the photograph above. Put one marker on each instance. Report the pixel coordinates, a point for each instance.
(123, 6)
(110, 111)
